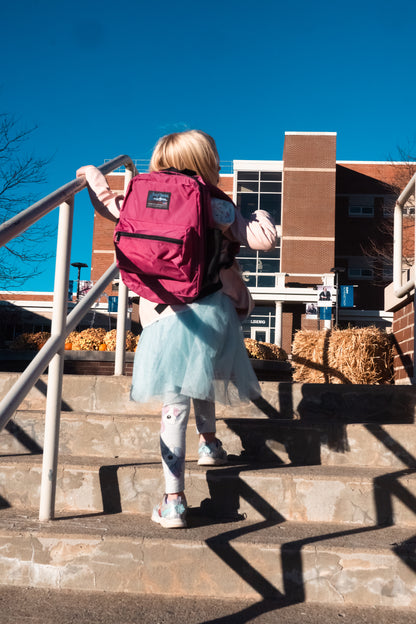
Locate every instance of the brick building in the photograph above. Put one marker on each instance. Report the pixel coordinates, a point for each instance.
(328, 210)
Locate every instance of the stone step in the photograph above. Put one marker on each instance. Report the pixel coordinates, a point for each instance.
(102, 394)
(296, 441)
(345, 495)
(240, 560)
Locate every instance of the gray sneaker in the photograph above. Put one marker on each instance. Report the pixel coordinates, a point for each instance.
(211, 454)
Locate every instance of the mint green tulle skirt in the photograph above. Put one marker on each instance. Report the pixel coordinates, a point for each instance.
(199, 353)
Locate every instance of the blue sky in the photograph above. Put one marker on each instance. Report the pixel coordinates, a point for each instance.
(101, 78)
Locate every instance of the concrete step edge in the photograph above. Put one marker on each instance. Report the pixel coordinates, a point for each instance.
(256, 437)
(316, 493)
(237, 560)
(236, 467)
(362, 403)
(203, 528)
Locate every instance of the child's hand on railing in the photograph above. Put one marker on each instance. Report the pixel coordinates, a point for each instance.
(105, 201)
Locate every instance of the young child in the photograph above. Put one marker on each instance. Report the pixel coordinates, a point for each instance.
(192, 351)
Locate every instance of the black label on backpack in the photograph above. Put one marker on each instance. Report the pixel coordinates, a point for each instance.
(158, 199)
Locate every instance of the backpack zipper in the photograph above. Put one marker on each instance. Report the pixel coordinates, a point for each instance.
(165, 239)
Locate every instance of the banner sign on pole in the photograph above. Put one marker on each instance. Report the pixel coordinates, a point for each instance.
(112, 304)
(325, 313)
(346, 296)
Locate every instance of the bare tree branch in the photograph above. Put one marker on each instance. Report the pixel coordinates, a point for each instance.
(380, 248)
(20, 174)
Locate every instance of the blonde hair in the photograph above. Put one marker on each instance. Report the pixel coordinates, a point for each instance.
(192, 149)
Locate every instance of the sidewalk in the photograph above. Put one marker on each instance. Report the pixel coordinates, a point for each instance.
(30, 606)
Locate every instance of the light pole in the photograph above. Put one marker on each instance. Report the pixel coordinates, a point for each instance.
(79, 266)
(337, 271)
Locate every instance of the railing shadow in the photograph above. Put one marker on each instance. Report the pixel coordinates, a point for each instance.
(318, 423)
(228, 488)
(293, 588)
(386, 488)
(4, 504)
(43, 388)
(406, 360)
(23, 438)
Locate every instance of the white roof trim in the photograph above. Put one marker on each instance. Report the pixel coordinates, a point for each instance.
(311, 133)
(258, 165)
(16, 293)
(375, 162)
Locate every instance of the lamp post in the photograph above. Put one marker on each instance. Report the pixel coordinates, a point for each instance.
(79, 266)
(337, 271)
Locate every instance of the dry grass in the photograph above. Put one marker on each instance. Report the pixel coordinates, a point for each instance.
(111, 337)
(88, 339)
(264, 350)
(343, 356)
(29, 342)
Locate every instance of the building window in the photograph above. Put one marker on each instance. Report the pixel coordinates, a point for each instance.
(361, 206)
(387, 271)
(361, 211)
(261, 324)
(260, 190)
(389, 202)
(409, 208)
(259, 267)
(360, 273)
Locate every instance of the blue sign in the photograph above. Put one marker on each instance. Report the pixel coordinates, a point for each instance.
(346, 296)
(325, 313)
(112, 304)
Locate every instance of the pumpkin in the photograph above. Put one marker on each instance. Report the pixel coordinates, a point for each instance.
(68, 346)
(102, 347)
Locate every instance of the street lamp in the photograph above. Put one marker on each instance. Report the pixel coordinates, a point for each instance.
(337, 271)
(79, 266)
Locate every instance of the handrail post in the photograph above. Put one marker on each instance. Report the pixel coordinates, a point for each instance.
(120, 355)
(63, 197)
(56, 366)
(397, 246)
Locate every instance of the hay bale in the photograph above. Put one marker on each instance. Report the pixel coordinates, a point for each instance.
(110, 340)
(88, 339)
(264, 350)
(358, 355)
(72, 336)
(30, 341)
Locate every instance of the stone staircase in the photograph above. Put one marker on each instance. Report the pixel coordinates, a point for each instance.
(317, 503)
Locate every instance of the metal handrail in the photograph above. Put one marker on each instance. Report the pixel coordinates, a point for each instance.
(34, 370)
(52, 353)
(22, 221)
(400, 289)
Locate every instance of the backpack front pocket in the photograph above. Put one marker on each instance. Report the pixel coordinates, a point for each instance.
(162, 257)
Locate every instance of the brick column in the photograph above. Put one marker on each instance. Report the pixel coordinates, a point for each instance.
(403, 331)
(308, 224)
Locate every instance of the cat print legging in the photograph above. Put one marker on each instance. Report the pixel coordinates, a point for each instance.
(175, 415)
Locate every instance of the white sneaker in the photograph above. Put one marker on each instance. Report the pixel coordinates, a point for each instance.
(171, 514)
(211, 454)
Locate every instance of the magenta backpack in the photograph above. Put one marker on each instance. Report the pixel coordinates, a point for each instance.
(167, 247)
